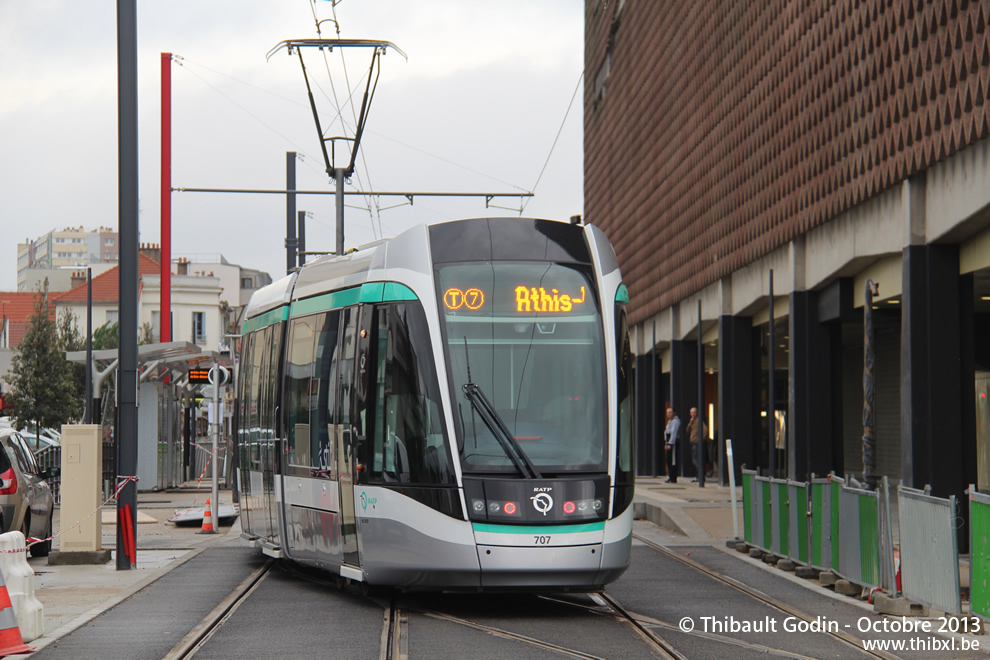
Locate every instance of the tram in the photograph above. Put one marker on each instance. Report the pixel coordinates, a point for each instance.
(448, 409)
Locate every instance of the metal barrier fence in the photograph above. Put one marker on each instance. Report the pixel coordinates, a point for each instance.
(820, 523)
(750, 519)
(798, 521)
(778, 517)
(979, 545)
(859, 541)
(929, 574)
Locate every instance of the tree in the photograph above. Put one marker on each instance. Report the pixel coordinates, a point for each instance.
(41, 377)
(70, 339)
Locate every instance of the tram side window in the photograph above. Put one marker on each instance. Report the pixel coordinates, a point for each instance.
(408, 431)
(244, 403)
(254, 415)
(299, 386)
(625, 467)
(347, 424)
(273, 335)
(322, 416)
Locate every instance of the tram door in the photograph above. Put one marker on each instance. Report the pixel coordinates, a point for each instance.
(271, 448)
(347, 429)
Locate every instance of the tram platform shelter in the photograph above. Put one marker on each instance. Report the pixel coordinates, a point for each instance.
(170, 410)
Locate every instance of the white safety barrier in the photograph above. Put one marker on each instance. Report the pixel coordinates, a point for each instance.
(19, 577)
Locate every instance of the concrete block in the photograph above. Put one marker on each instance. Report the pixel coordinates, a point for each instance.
(771, 559)
(827, 578)
(807, 572)
(756, 553)
(847, 588)
(79, 558)
(742, 547)
(885, 604)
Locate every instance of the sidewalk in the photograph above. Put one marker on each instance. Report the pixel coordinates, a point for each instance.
(702, 515)
(73, 595)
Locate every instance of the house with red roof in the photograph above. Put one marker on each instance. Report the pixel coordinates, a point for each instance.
(195, 302)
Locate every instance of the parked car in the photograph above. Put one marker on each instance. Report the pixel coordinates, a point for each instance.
(26, 501)
(35, 443)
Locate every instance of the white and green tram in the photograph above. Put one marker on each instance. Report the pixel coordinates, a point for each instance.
(449, 409)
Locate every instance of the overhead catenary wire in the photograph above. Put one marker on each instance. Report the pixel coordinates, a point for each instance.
(559, 131)
(307, 159)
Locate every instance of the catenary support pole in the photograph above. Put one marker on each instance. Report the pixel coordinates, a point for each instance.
(88, 415)
(302, 238)
(290, 212)
(127, 204)
(165, 322)
(339, 176)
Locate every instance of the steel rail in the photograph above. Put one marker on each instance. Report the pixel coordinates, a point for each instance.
(198, 636)
(505, 634)
(604, 609)
(655, 641)
(395, 640)
(841, 635)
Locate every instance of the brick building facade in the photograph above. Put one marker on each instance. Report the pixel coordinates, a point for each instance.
(829, 143)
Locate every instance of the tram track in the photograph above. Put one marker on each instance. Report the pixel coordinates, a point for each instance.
(397, 608)
(840, 635)
(202, 632)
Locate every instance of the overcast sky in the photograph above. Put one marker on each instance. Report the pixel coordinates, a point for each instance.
(476, 108)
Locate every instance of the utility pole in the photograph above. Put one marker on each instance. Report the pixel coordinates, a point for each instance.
(291, 247)
(165, 323)
(302, 238)
(127, 176)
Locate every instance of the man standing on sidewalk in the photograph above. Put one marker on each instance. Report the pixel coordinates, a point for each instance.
(698, 433)
(670, 436)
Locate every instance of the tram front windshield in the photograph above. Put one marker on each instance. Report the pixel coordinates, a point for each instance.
(527, 340)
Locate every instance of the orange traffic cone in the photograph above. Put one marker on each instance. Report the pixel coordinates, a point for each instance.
(207, 520)
(11, 641)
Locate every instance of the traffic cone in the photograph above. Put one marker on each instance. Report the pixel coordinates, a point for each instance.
(207, 520)
(11, 642)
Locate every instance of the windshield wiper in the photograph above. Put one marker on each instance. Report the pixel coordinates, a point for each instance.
(494, 422)
(491, 418)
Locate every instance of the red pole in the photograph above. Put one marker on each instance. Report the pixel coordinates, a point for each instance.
(165, 329)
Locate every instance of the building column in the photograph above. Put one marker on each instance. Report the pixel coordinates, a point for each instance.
(736, 403)
(645, 441)
(810, 427)
(933, 409)
(684, 395)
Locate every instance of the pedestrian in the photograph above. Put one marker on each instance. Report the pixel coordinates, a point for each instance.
(698, 435)
(670, 435)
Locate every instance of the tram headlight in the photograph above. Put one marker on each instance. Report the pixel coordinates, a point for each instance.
(597, 505)
(494, 507)
(510, 508)
(478, 506)
(569, 507)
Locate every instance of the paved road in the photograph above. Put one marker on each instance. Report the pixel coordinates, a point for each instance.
(290, 616)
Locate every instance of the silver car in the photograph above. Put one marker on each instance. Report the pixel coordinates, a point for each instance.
(26, 501)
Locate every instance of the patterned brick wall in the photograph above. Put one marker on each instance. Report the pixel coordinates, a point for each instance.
(718, 130)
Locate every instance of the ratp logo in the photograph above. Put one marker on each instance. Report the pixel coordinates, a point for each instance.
(542, 502)
(365, 501)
